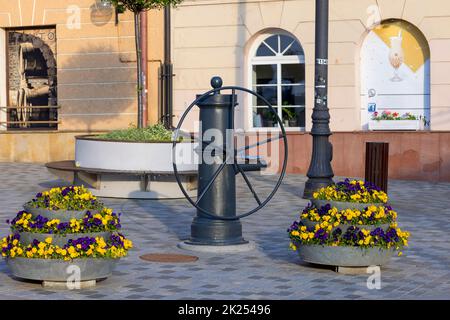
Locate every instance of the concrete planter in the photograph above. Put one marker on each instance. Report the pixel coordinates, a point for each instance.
(59, 239)
(63, 215)
(132, 156)
(344, 256)
(394, 125)
(58, 270)
(340, 205)
(139, 170)
(344, 227)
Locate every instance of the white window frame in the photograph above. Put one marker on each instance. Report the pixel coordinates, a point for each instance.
(278, 60)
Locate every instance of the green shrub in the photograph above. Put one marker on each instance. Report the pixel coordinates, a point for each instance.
(155, 133)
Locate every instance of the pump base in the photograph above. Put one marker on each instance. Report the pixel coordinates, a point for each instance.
(245, 247)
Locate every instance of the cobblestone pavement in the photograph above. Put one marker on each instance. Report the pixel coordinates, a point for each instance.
(271, 271)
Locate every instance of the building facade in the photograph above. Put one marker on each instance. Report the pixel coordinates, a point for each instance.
(68, 68)
(384, 55)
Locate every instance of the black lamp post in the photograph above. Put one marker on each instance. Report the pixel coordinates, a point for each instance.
(320, 173)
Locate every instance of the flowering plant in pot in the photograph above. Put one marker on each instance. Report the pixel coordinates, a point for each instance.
(388, 115)
(329, 217)
(348, 224)
(350, 194)
(43, 260)
(63, 203)
(289, 117)
(392, 238)
(43, 247)
(114, 247)
(388, 120)
(101, 224)
(353, 247)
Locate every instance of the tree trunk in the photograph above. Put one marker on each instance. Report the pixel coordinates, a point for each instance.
(137, 28)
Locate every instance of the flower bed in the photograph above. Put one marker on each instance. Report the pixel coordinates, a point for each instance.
(60, 240)
(390, 125)
(63, 203)
(362, 232)
(328, 216)
(393, 116)
(388, 120)
(67, 198)
(352, 191)
(115, 247)
(42, 247)
(119, 158)
(105, 220)
(156, 133)
(352, 237)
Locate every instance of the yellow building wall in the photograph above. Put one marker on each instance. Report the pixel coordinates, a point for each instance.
(96, 62)
(96, 71)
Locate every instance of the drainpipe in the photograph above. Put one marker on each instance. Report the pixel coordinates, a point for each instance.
(144, 63)
(167, 73)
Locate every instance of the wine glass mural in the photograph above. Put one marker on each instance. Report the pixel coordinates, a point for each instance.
(396, 56)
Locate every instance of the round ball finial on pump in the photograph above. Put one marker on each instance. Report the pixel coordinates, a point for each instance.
(216, 82)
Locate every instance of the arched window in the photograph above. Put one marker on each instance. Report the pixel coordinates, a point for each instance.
(278, 74)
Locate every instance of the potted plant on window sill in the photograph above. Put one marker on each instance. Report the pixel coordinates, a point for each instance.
(289, 117)
(269, 118)
(393, 121)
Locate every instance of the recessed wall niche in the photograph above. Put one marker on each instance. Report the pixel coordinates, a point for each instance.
(32, 78)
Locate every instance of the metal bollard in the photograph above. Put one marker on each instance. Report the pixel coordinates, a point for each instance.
(377, 163)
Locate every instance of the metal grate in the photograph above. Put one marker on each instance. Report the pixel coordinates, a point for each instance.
(168, 258)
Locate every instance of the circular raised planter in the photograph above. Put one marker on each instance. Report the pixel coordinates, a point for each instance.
(344, 227)
(138, 170)
(122, 156)
(63, 215)
(59, 239)
(58, 270)
(341, 205)
(344, 256)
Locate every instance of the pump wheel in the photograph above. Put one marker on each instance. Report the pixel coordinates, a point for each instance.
(216, 82)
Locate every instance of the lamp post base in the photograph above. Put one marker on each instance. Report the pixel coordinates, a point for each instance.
(314, 184)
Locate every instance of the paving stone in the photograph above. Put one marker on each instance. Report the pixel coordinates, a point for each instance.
(269, 272)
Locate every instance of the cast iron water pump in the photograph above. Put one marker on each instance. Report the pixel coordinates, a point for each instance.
(217, 223)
